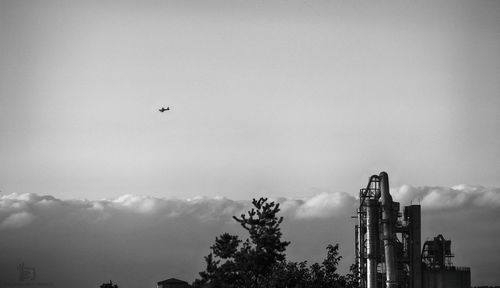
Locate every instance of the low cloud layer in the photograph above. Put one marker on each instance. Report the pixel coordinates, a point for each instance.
(138, 240)
(459, 196)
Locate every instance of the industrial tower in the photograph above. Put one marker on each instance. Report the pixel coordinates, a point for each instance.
(388, 245)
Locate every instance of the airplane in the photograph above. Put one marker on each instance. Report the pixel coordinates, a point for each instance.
(164, 109)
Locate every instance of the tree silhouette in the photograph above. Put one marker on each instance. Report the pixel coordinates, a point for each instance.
(260, 260)
(109, 285)
(249, 264)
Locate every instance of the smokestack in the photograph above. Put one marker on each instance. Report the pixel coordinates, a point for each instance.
(388, 234)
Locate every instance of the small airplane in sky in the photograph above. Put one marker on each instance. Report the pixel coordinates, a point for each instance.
(163, 109)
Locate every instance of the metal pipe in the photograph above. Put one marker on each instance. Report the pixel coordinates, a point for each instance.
(388, 234)
(358, 256)
(356, 246)
(360, 248)
(371, 242)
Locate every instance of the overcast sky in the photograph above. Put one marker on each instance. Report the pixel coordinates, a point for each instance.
(286, 99)
(268, 97)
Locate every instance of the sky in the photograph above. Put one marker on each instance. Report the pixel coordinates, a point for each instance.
(268, 97)
(289, 99)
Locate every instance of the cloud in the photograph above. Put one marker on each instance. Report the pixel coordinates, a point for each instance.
(323, 205)
(17, 220)
(139, 240)
(459, 196)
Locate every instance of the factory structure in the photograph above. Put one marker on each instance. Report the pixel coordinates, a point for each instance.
(389, 252)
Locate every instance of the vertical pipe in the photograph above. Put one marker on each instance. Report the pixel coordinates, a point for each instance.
(414, 247)
(388, 234)
(356, 246)
(361, 248)
(358, 256)
(372, 242)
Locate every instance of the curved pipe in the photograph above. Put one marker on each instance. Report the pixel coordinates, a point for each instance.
(388, 234)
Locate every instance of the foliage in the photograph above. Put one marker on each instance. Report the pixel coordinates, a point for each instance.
(109, 285)
(260, 261)
(351, 278)
(300, 275)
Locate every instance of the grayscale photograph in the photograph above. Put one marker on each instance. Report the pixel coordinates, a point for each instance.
(249, 144)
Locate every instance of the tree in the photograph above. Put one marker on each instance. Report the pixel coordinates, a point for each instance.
(325, 275)
(351, 278)
(249, 264)
(292, 274)
(265, 248)
(260, 260)
(109, 285)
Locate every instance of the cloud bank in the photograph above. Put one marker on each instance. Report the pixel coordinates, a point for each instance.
(459, 196)
(138, 240)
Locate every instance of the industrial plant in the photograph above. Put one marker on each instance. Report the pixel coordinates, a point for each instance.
(389, 253)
